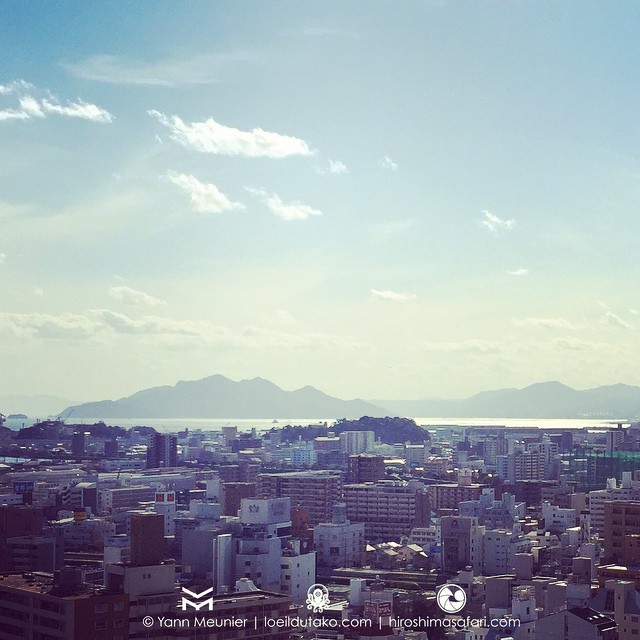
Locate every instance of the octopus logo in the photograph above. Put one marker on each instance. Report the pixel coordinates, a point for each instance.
(317, 598)
(451, 598)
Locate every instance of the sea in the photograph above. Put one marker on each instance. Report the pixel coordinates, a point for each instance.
(264, 424)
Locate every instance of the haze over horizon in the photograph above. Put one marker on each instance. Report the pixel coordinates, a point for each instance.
(430, 199)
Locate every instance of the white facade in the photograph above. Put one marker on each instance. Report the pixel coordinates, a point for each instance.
(630, 490)
(339, 544)
(557, 519)
(298, 573)
(353, 442)
(165, 504)
(500, 547)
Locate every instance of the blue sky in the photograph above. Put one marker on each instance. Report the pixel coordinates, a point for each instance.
(382, 199)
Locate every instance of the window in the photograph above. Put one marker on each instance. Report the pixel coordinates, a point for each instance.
(118, 624)
(118, 606)
(100, 625)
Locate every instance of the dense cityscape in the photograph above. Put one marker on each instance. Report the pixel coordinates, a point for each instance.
(318, 320)
(119, 534)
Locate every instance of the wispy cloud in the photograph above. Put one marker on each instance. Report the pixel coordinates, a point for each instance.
(101, 324)
(518, 272)
(611, 319)
(3, 258)
(394, 296)
(205, 197)
(335, 167)
(495, 224)
(291, 211)
(547, 323)
(134, 297)
(32, 107)
(387, 163)
(464, 346)
(168, 72)
(15, 87)
(212, 137)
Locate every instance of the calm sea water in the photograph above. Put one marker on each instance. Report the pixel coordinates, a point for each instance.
(263, 424)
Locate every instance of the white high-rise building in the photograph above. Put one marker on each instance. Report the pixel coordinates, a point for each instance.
(339, 543)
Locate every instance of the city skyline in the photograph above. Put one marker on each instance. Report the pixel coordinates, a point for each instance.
(382, 201)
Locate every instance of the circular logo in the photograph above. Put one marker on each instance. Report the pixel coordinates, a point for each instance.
(451, 598)
(317, 598)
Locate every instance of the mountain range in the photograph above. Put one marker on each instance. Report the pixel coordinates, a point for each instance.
(219, 397)
(540, 400)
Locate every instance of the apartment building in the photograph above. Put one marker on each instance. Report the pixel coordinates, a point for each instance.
(34, 605)
(389, 508)
(316, 490)
(621, 518)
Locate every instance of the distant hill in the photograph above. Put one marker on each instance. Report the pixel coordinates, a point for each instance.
(541, 400)
(389, 430)
(219, 397)
(33, 406)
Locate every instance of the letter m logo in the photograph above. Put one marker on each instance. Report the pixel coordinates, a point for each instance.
(196, 596)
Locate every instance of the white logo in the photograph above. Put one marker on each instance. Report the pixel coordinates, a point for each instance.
(196, 596)
(451, 598)
(317, 598)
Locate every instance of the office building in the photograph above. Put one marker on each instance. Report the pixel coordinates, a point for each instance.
(162, 451)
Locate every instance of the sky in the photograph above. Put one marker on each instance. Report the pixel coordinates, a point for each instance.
(381, 199)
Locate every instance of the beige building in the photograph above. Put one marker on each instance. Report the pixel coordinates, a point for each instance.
(389, 509)
(316, 490)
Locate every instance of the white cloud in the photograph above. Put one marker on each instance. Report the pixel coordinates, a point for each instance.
(80, 109)
(633, 312)
(134, 297)
(393, 295)
(547, 323)
(387, 163)
(32, 107)
(567, 343)
(94, 324)
(337, 167)
(212, 137)
(611, 319)
(197, 70)
(15, 87)
(495, 224)
(38, 291)
(13, 114)
(205, 197)
(464, 346)
(291, 211)
(3, 258)
(519, 272)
